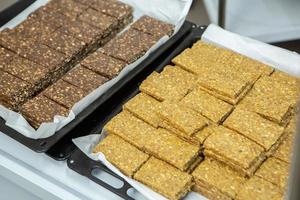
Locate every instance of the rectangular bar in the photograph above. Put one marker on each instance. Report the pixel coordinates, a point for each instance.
(103, 64)
(127, 158)
(214, 176)
(274, 171)
(158, 142)
(164, 178)
(40, 110)
(254, 127)
(234, 149)
(259, 189)
(136, 41)
(182, 118)
(172, 84)
(153, 26)
(207, 105)
(145, 108)
(84, 79)
(64, 93)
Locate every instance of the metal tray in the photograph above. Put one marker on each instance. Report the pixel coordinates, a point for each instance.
(13, 9)
(92, 123)
(83, 165)
(76, 128)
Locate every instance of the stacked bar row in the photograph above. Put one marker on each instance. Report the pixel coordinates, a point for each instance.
(233, 115)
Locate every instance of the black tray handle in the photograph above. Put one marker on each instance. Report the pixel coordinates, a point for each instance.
(83, 165)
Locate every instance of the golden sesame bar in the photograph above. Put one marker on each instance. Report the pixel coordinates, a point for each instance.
(222, 83)
(217, 176)
(144, 107)
(284, 151)
(232, 101)
(259, 189)
(182, 118)
(153, 26)
(274, 171)
(64, 93)
(40, 110)
(127, 158)
(158, 142)
(84, 78)
(209, 193)
(172, 83)
(103, 64)
(202, 135)
(207, 105)
(234, 149)
(255, 127)
(272, 99)
(165, 179)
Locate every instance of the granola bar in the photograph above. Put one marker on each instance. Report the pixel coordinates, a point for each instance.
(34, 74)
(127, 158)
(172, 84)
(184, 119)
(64, 93)
(153, 26)
(41, 110)
(207, 105)
(234, 149)
(253, 126)
(84, 79)
(164, 178)
(214, 176)
(257, 188)
(103, 64)
(158, 142)
(13, 91)
(145, 108)
(274, 171)
(136, 41)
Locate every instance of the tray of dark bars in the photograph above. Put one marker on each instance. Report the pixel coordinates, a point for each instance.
(85, 166)
(81, 123)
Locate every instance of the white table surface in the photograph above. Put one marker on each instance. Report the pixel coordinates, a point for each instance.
(34, 176)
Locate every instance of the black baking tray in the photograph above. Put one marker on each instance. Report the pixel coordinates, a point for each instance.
(13, 10)
(65, 146)
(76, 128)
(83, 165)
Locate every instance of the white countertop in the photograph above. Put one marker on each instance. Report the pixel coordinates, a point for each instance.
(36, 176)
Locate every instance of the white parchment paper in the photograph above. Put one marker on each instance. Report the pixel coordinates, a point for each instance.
(277, 57)
(171, 11)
